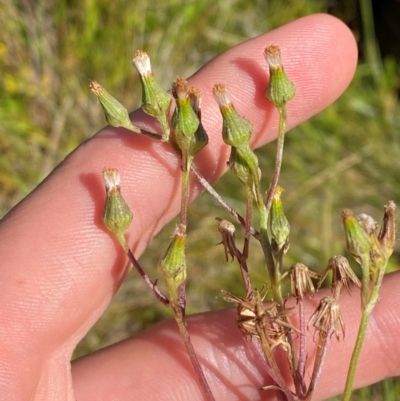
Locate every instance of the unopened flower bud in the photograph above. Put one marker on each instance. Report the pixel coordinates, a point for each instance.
(117, 216)
(358, 240)
(201, 137)
(243, 162)
(116, 114)
(279, 90)
(279, 224)
(184, 120)
(236, 130)
(155, 101)
(173, 264)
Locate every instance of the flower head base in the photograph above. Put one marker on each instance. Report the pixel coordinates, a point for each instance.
(116, 114)
(227, 231)
(155, 101)
(327, 318)
(279, 90)
(117, 216)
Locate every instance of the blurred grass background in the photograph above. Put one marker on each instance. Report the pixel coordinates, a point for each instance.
(347, 156)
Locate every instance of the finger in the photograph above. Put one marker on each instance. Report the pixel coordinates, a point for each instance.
(60, 267)
(154, 365)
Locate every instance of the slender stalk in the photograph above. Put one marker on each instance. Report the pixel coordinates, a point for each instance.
(180, 320)
(278, 157)
(145, 277)
(366, 313)
(185, 192)
(324, 337)
(302, 348)
(206, 185)
(280, 381)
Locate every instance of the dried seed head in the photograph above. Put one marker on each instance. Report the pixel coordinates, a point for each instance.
(341, 273)
(387, 234)
(279, 90)
(227, 231)
(155, 101)
(116, 114)
(300, 280)
(117, 216)
(252, 316)
(327, 318)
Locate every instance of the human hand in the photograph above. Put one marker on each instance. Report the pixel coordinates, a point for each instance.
(60, 267)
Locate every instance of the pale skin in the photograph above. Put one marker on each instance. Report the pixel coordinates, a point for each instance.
(60, 267)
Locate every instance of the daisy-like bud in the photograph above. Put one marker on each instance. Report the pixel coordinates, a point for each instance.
(236, 130)
(300, 280)
(185, 121)
(341, 273)
(279, 90)
(117, 216)
(173, 264)
(279, 225)
(155, 101)
(358, 231)
(387, 234)
(116, 114)
(327, 318)
(227, 231)
(201, 137)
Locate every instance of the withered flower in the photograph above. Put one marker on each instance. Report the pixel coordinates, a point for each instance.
(227, 231)
(327, 318)
(300, 280)
(341, 273)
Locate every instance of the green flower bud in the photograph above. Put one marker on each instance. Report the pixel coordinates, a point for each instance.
(116, 114)
(185, 121)
(155, 101)
(279, 90)
(201, 137)
(279, 224)
(117, 216)
(244, 164)
(358, 233)
(236, 130)
(173, 264)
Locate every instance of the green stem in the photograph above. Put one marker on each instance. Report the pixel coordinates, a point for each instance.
(185, 193)
(360, 339)
(278, 157)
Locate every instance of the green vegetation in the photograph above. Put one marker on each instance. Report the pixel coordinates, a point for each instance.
(347, 156)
